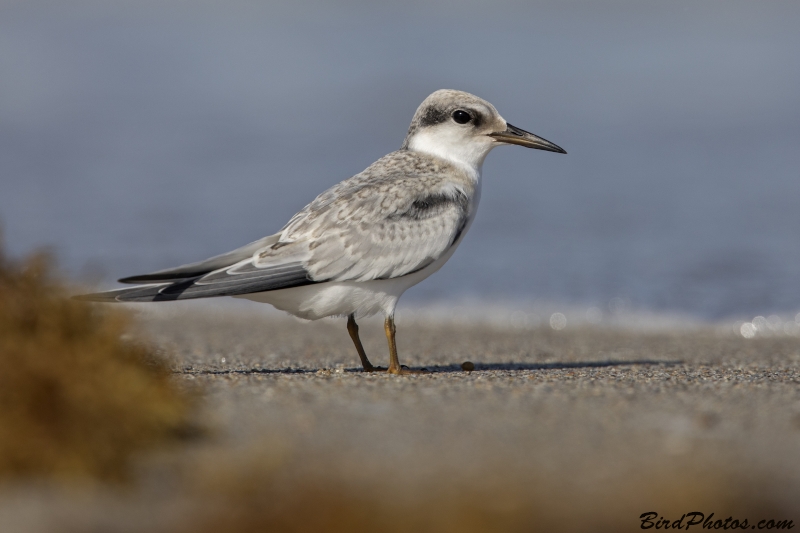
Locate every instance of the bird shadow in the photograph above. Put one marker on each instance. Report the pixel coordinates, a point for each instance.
(558, 365)
(443, 369)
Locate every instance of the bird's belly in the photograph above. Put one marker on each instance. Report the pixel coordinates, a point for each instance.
(334, 298)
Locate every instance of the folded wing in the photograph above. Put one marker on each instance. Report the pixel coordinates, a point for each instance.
(374, 233)
(389, 221)
(242, 278)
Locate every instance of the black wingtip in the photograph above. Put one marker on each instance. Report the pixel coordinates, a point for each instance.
(154, 278)
(131, 279)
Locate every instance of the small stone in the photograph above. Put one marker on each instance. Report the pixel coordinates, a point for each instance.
(468, 366)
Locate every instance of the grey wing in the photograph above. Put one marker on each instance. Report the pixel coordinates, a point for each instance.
(368, 227)
(377, 230)
(241, 278)
(193, 270)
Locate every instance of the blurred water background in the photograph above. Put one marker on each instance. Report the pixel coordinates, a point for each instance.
(140, 135)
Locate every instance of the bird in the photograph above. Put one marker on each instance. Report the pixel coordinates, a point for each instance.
(358, 246)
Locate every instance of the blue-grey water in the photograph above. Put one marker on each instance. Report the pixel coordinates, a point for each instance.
(139, 135)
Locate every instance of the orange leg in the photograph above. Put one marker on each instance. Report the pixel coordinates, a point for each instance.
(352, 329)
(394, 362)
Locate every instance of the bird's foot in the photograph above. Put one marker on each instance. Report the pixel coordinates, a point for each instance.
(405, 371)
(402, 371)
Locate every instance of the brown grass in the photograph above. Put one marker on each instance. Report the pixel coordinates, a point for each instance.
(76, 400)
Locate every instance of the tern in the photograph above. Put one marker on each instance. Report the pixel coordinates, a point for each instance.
(357, 247)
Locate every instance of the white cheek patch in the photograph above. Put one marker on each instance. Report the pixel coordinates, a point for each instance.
(454, 144)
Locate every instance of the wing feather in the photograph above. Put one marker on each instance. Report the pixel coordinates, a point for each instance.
(398, 216)
(226, 282)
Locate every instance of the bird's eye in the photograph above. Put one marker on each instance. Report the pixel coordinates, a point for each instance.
(462, 117)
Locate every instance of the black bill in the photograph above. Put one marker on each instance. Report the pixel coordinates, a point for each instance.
(514, 135)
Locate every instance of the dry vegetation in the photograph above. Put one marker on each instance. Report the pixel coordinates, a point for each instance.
(76, 400)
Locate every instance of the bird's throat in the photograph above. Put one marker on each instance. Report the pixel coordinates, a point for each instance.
(467, 155)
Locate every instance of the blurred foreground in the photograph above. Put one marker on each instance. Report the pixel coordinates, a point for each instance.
(572, 430)
(77, 398)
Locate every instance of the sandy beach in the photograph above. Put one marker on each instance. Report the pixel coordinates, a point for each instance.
(587, 427)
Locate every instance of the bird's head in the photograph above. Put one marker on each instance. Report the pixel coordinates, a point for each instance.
(463, 128)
